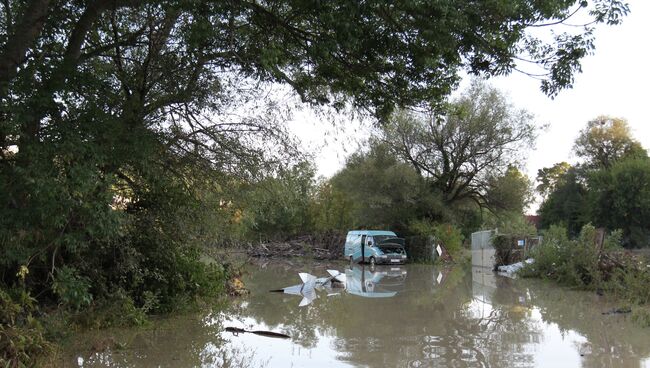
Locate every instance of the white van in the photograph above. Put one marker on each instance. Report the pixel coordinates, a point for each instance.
(374, 247)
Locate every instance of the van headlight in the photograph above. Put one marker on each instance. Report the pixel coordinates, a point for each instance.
(403, 256)
(382, 256)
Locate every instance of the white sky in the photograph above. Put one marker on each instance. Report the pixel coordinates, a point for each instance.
(615, 81)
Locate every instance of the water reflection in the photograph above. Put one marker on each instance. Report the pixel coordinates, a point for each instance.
(367, 282)
(435, 317)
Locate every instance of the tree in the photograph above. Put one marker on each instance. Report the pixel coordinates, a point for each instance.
(606, 140)
(332, 208)
(279, 205)
(550, 177)
(510, 192)
(568, 204)
(620, 199)
(460, 153)
(384, 191)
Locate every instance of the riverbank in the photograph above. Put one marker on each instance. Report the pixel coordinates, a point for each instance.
(593, 263)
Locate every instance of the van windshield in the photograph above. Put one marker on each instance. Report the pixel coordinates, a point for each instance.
(388, 239)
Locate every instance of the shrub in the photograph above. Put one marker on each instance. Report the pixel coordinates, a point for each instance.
(449, 235)
(72, 289)
(569, 262)
(21, 336)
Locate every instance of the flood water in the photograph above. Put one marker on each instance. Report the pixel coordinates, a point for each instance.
(394, 316)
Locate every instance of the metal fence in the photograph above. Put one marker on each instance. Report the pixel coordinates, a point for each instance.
(482, 249)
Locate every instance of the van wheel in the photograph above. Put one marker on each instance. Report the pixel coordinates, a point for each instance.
(373, 263)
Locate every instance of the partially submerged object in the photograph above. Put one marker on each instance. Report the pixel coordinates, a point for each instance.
(236, 331)
(374, 247)
(622, 310)
(511, 269)
(357, 281)
(309, 284)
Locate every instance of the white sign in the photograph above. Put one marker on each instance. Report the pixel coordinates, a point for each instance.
(439, 250)
(439, 278)
(521, 242)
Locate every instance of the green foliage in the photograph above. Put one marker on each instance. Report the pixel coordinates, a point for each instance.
(610, 190)
(281, 205)
(22, 341)
(466, 153)
(122, 119)
(631, 283)
(331, 209)
(550, 177)
(641, 315)
(72, 289)
(449, 235)
(620, 199)
(510, 223)
(567, 205)
(510, 192)
(569, 262)
(384, 192)
(607, 140)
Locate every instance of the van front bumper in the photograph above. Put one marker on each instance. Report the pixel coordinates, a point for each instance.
(391, 260)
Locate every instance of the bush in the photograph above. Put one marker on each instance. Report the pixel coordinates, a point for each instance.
(72, 289)
(449, 235)
(569, 262)
(21, 336)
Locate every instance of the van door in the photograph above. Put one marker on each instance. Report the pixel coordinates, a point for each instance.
(363, 248)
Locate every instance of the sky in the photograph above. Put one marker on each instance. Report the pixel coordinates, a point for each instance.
(614, 81)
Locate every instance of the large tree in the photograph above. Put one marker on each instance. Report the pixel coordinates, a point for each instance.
(510, 192)
(606, 140)
(459, 154)
(383, 191)
(620, 199)
(567, 204)
(550, 177)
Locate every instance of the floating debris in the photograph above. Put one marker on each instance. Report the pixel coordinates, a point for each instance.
(236, 331)
(622, 310)
(357, 281)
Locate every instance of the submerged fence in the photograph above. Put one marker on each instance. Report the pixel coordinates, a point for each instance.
(482, 249)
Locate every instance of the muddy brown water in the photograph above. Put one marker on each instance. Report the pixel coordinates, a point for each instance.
(393, 316)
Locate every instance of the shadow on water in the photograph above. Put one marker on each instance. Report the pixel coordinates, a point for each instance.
(406, 316)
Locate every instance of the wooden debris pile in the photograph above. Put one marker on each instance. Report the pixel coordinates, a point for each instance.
(327, 245)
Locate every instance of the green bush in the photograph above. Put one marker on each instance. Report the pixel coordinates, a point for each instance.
(72, 289)
(569, 262)
(22, 342)
(449, 235)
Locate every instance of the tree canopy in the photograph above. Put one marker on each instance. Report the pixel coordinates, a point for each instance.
(609, 189)
(550, 177)
(460, 152)
(606, 140)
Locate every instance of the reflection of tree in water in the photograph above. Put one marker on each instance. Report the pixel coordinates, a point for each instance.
(425, 323)
(460, 323)
(612, 340)
(276, 310)
(186, 341)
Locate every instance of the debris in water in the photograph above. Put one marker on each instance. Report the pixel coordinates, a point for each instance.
(236, 331)
(619, 310)
(357, 281)
(512, 268)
